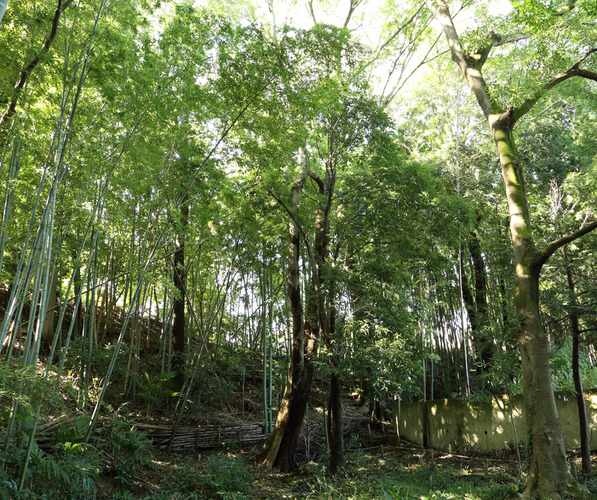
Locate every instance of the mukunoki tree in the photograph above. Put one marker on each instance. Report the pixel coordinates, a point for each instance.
(548, 474)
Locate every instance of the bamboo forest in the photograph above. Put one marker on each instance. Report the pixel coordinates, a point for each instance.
(310, 249)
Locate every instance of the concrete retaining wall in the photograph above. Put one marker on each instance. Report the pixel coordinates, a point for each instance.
(455, 425)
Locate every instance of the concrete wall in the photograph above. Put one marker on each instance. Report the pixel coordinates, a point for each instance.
(455, 425)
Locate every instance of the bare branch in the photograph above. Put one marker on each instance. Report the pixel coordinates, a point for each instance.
(311, 10)
(398, 31)
(585, 73)
(353, 5)
(270, 6)
(586, 330)
(394, 92)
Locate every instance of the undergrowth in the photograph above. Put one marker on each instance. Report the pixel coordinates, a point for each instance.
(398, 476)
(227, 477)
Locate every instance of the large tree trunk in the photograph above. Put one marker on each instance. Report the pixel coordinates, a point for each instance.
(326, 308)
(335, 413)
(280, 448)
(548, 474)
(179, 325)
(335, 426)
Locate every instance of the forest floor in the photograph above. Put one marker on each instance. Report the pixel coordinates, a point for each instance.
(383, 472)
(377, 465)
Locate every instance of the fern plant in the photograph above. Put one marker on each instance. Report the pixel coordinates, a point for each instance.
(130, 448)
(72, 475)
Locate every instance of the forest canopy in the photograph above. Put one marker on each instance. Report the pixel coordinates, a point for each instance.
(394, 200)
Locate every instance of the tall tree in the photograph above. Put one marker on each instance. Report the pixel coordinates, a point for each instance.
(179, 272)
(335, 116)
(548, 475)
(281, 445)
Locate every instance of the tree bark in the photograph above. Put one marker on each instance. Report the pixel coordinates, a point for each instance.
(325, 304)
(548, 474)
(335, 413)
(335, 427)
(279, 450)
(583, 424)
(294, 403)
(179, 324)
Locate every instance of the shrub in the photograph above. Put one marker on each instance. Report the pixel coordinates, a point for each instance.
(227, 477)
(182, 479)
(72, 475)
(156, 390)
(130, 448)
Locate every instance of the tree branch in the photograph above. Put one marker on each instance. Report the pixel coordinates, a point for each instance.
(479, 57)
(567, 8)
(573, 71)
(471, 73)
(586, 330)
(295, 221)
(585, 73)
(318, 180)
(398, 31)
(34, 62)
(353, 5)
(511, 39)
(401, 82)
(311, 10)
(550, 249)
(493, 40)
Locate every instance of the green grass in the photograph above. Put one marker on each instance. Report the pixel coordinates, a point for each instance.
(399, 475)
(388, 474)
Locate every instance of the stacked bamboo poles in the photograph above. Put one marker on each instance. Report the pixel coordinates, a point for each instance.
(187, 439)
(202, 437)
